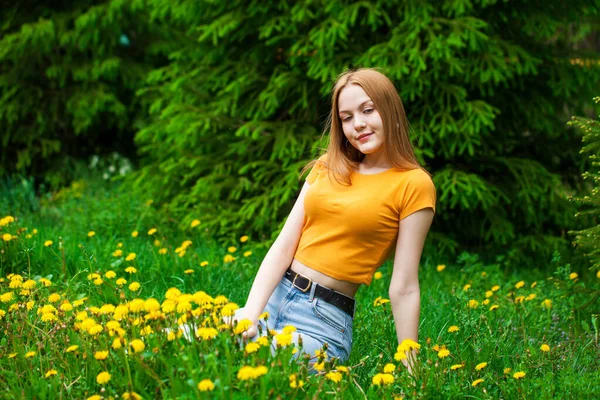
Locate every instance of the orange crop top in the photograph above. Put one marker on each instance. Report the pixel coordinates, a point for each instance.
(349, 231)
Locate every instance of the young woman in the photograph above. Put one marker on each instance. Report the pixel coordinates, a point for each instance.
(363, 200)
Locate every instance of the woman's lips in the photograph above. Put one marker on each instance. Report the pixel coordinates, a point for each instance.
(365, 138)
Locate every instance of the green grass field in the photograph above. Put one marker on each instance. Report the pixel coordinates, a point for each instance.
(72, 328)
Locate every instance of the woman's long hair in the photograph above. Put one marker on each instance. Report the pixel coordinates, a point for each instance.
(342, 159)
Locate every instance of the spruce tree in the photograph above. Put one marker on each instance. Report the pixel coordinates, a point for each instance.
(240, 107)
(68, 76)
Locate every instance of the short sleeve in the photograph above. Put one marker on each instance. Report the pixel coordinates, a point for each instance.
(419, 193)
(316, 169)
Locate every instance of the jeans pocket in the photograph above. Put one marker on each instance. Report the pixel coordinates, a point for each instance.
(329, 314)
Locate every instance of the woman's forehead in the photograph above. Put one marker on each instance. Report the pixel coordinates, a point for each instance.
(352, 96)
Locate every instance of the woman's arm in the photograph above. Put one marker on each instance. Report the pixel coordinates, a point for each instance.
(404, 292)
(278, 259)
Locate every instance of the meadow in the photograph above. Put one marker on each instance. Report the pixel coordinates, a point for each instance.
(91, 277)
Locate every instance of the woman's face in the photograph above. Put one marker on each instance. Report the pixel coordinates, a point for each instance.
(359, 118)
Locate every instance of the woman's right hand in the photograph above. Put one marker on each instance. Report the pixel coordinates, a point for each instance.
(241, 314)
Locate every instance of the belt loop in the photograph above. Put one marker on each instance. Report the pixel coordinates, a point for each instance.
(311, 296)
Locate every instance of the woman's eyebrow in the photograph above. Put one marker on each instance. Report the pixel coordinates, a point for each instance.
(361, 104)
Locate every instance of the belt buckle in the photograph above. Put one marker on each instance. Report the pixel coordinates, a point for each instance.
(298, 287)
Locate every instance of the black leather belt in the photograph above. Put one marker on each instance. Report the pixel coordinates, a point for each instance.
(332, 297)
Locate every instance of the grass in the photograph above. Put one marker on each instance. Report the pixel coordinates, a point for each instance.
(542, 310)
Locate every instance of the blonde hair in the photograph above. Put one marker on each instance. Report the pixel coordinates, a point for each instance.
(342, 160)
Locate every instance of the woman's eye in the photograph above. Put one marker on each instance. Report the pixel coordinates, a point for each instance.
(346, 119)
(370, 110)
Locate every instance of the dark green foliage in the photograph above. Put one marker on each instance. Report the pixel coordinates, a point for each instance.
(239, 108)
(589, 239)
(68, 74)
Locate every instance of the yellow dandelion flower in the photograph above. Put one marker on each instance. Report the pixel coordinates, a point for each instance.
(131, 270)
(204, 263)
(519, 375)
(388, 369)
(377, 275)
(494, 306)
(195, 223)
(49, 317)
(467, 287)
(7, 237)
(289, 329)
(91, 234)
(72, 348)
(380, 301)
(534, 284)
(473, 303)
(95, 397)
(206, 385)
(477, 382)
(507, 370)
(247, 253)
(453, 328)
(162, 251)
(283, 339)
(252, 347)
(130, 257)
(152, 231)
(228, 258)
(485, 302)
(334, 376)
(530, 297)
(456, 366)
(134, 234)
(489, 294)
(101, 355)
(29, 354)
(6, 297)
(264, 315)
(519, 284)
(103, 377)
(119, 245)
(188, 271)
(12, 355)
(116, 344)
(117, 253)
(98, 281)
(495, 288)
(232, 249)
(206, 333)
(228, 309)
(263, 341)
(547, 303)
(481, 366)
(244, 238)
(131, 396)
(242, 326)
(383, 379)
(121, 281)
(50, 373)
(519, 299)
(46, 282)
(137, 345)
(441, 267)
(572, 276)
(54, 297)
(320, 366)
(48, 243)
(29, 284)
(545, 348)
(443, 353)
(134, 286)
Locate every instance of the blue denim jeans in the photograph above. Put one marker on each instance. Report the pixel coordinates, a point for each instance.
(315, 320)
